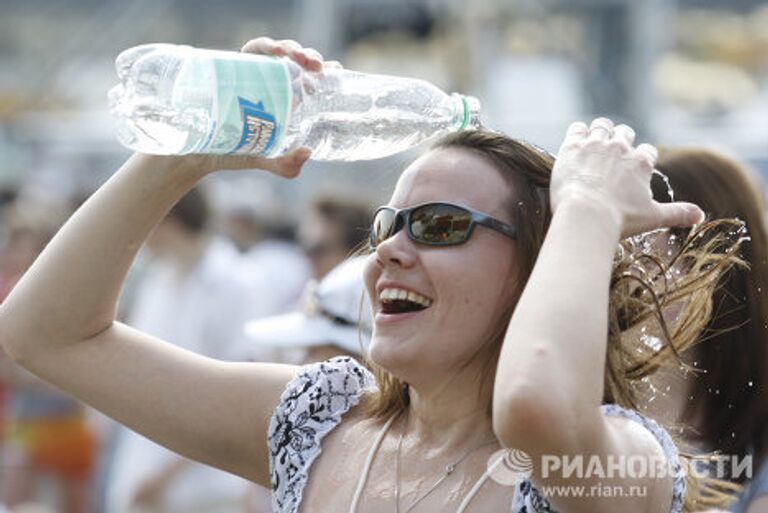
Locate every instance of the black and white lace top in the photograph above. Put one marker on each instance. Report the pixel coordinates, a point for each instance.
(314, 402)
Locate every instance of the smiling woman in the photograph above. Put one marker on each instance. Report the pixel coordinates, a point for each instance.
(500, 306)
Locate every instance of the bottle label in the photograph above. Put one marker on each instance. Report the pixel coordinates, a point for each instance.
(253, 104)
(259, 128)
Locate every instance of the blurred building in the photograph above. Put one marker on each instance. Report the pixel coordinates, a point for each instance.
(686, 71)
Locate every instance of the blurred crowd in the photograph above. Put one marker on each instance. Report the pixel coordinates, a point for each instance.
(211, 267)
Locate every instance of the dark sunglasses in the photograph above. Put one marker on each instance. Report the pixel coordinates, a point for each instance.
(433, 224)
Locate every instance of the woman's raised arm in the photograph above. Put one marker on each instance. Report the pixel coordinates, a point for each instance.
(59, 321)
(549, 382)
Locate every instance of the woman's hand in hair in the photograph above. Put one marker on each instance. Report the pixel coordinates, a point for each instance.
(600, 164)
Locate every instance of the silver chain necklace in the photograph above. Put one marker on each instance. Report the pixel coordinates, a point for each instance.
(448, 469)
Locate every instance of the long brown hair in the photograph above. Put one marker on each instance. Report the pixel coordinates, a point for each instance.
(727, 409)
(640, 292)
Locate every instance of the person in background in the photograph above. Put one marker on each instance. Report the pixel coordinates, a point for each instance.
(45, 435)
(252, 216)
(332, 230)
(334, 320)
(723, 401)
(191, 296)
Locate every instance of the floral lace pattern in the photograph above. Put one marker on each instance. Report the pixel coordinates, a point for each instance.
(311, 405)
(314, 402)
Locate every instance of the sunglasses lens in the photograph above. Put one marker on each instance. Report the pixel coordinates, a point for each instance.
(383, 226)
(440, 224)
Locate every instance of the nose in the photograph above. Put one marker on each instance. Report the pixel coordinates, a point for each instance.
(398, 250)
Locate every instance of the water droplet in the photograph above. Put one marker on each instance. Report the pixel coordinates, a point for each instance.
(717, 391)
(653, 343)
(749, 384)
(667, 389)
(730, 406)
(664, 177)
(733, 434)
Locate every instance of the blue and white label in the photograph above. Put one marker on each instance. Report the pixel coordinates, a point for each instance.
(259, 128)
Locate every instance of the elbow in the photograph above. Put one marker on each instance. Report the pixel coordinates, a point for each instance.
(526, 401)
(9, 341)
(17, 340)
(516, 418)
(532, 421)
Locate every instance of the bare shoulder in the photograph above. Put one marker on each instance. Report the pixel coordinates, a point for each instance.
(643, 463)
(624, 464)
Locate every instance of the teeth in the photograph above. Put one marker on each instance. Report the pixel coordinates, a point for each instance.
(392, 294)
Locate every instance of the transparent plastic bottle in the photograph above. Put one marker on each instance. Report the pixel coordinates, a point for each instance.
(177, 99)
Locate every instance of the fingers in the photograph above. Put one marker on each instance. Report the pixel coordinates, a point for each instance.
(603, 129)
(577, 129)
(679, 214)
(600, 129)
(290, 164)
(260, 45)
(287, 166)
(648, 152)
(308, 58)
(624, 132)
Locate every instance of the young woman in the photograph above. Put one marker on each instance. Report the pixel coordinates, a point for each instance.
(453, 261)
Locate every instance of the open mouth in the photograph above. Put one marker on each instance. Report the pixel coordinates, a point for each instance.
(398, 301)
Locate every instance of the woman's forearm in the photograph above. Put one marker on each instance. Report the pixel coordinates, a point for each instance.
(71, 291)
(553, 358)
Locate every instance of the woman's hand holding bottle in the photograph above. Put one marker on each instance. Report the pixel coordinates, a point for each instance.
(288, 165)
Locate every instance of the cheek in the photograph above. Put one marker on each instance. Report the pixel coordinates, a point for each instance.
(483, 293)
(371, 273)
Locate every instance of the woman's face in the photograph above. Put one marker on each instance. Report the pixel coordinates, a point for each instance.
(469, 286)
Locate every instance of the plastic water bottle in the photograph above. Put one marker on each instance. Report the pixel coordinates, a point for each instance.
(178, 99)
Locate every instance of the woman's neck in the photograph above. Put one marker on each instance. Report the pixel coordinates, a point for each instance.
(448, 417)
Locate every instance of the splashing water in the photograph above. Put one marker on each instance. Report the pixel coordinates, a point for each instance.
(652, 342)
(664, 177)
